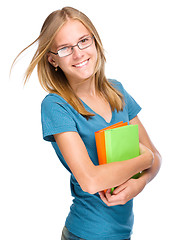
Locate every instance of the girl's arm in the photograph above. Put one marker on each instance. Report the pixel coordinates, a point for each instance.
(96, 178)
(149, 174)
(131, 188)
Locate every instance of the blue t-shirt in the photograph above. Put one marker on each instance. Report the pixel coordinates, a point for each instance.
(89, 218)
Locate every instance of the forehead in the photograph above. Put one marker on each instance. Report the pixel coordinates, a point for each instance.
(71, 32)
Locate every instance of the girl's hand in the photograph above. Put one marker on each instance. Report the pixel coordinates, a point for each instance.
(123, 193)
(130, 189)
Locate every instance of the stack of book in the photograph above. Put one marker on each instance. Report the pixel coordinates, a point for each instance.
(118, 142)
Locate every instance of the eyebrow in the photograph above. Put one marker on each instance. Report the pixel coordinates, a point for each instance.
(66, 44)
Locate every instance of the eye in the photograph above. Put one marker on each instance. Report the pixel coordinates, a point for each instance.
(64, 49)
(85, 40)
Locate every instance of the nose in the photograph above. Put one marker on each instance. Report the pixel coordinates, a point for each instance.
(77, 53)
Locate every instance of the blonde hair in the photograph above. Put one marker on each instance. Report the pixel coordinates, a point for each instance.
(55, 81)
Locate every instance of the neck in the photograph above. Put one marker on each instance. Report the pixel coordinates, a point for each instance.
(84, 88)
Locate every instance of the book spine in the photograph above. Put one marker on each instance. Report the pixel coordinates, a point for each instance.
(108, 145)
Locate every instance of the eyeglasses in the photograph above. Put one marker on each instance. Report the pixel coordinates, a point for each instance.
(68, 50)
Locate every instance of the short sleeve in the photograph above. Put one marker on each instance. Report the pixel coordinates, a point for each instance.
(55, 118)
(132, 107)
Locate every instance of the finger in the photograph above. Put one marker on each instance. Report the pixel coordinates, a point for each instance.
(113, 202)
(119, 188)
(101, 194)
(103, 198)
(122, 197)
(109, 204)
(108, 193)
(106, 201)
(114, 198)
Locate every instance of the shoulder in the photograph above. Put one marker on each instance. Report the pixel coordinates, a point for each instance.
(56, 117)
(116, 84)
(129, 100)
(54, 106)
(52, 98)
(53, 101)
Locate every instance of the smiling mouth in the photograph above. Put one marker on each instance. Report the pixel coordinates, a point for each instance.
(81, 64)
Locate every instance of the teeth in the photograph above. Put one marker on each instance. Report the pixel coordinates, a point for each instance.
(81, 64)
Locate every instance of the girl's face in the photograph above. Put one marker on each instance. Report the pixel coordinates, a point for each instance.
(80, 65)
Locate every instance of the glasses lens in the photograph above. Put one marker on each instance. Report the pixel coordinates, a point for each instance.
(84, 43)
(64, 51)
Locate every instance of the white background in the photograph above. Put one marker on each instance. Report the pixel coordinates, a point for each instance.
(142, 40)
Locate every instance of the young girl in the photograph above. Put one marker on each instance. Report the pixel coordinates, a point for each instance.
(70, 62)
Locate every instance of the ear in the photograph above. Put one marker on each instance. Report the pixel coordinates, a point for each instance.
(51, 60)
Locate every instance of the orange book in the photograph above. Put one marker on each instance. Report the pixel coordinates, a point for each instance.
(100, 141)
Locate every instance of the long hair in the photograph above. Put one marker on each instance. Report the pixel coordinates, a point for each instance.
(55, 81)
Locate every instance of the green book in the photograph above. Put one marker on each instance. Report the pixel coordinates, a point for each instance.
(122, 143)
